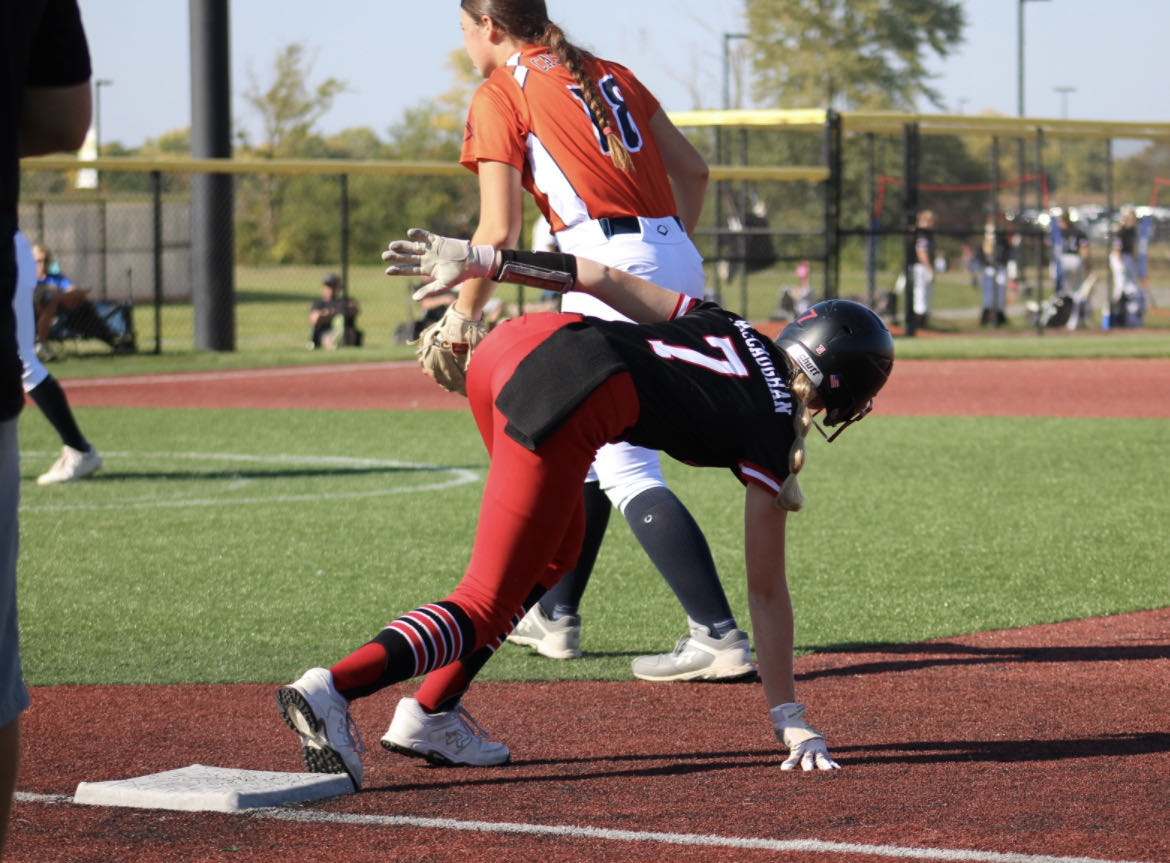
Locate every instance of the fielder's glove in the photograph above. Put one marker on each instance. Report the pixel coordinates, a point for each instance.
(806, 745)
(446, 260)
(444, 349)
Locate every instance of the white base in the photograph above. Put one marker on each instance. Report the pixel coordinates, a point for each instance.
(216, 789)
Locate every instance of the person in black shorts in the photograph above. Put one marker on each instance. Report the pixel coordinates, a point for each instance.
(546, 391)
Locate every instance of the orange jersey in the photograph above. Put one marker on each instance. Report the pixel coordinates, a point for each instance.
(529, 114)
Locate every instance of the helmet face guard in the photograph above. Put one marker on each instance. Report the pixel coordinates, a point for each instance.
(847, 353)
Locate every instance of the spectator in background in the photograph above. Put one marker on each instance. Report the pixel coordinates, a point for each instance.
(1071, 266)
(55, 297)
(78, 458)
(993, 256)
(971, 264)
(923, 269)
(45, 107)
(1128, 306)
(333, 317)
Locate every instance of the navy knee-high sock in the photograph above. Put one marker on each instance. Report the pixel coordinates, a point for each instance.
(566, 596)
(50, 398)
(675, 544)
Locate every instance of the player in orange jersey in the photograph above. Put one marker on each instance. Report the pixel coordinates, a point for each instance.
(619, 184)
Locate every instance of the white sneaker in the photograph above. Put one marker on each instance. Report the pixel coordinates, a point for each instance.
(73, 464)
(556, 639)
(698, 656)
(315, 710)
(452, 738)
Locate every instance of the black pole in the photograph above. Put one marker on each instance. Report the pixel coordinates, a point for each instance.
(832, 203)
(871, 228)
(212, 229)
(742, 198)
(1039, 232)
(344, 180)
(910, 218)
(102, 227)
(156, 249)
(994, 197)
(1109, 286)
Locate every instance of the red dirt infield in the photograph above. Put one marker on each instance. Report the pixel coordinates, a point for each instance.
(1069, 387)
(1023, 746)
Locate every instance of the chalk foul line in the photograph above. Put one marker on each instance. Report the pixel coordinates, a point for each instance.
(806, 846)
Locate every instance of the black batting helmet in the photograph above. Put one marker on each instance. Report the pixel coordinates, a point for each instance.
(846, 351)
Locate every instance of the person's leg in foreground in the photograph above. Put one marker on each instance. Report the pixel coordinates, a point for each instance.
(13, 694)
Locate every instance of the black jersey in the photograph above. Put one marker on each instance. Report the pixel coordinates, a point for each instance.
(1125, 240)
(42, 44)
(712, 391)
(1072, 241)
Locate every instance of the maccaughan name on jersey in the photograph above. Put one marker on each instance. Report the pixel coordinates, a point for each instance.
(781, 397)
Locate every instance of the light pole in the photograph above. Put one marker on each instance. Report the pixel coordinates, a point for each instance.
(97, 111)
(1020, 54)
(1020, 104)
(721, 155)
(97, 182)
(727, 37)
(1064, 91)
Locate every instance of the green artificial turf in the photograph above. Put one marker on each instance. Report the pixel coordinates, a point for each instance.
(220, 546)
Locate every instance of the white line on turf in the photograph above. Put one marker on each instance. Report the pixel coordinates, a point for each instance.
(808, 846)
(455, 476)
(230, 374)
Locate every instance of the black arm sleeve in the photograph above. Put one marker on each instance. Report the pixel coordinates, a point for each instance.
(550, 271)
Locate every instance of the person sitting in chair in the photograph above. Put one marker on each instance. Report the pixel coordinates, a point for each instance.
(333, 317)
(55, 298)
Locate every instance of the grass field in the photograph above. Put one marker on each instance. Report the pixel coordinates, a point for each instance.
(244, 546)
(221, 546)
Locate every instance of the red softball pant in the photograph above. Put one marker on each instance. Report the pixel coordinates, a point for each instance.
(531, 519)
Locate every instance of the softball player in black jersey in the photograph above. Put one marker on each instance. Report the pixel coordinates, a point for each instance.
(547, 391)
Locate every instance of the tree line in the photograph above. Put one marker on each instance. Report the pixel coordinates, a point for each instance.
(848, 55)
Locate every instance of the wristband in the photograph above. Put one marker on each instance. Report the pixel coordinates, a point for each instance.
(550, 271)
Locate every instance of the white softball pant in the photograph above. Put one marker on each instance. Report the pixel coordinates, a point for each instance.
(22, 307)
(661, 252)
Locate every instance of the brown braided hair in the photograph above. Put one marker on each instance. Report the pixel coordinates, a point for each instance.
(790, 496)
(527, 21)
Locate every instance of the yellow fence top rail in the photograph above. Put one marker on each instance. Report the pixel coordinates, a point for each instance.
(810, 118)
(968, 124)
(892, 122)
(134, 164)
(244, 166)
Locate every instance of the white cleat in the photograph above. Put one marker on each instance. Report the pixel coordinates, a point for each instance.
(72, 465)
(451, 738)
(556, 639)
(698, 656)
(315, 710)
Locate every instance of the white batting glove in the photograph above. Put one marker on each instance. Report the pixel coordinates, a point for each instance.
(806, 745)
(446, 260)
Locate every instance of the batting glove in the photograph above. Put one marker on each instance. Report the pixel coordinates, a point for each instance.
(806, 745)
(446, 260)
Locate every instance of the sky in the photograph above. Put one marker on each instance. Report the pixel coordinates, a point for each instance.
(393, 55)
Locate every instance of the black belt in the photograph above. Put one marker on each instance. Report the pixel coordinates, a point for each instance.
(620, 225)
(625, 225)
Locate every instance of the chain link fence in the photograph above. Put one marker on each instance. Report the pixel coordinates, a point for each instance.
(810, 204)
